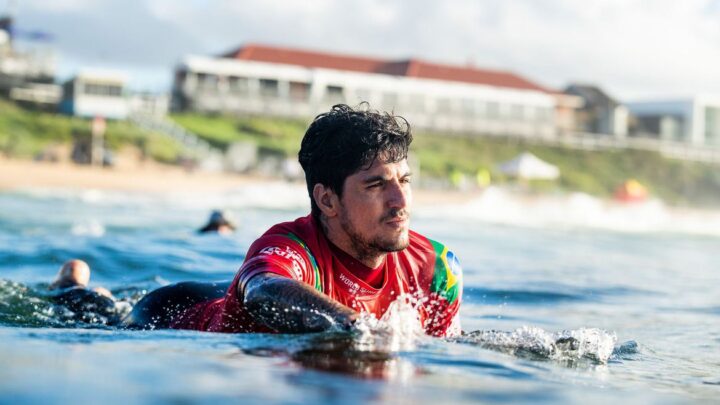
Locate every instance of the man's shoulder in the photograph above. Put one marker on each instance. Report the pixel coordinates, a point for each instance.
(299, 226)
(286, 239)
(442, 266)
(423, 243)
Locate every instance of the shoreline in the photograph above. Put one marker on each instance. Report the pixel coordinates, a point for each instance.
(157, 178)
(144, 177)
(496, 205)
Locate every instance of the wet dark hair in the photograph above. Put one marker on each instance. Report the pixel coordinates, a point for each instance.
(345, 140)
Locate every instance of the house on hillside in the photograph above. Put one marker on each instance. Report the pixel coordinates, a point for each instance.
(694, 120)
(599, 113)
(258, 79)
(95, 93)
(26, 77)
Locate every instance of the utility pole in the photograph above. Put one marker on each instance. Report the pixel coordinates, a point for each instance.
(97, 147)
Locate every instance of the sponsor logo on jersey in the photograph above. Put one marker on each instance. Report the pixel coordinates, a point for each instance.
(296, 260)
(353, 286)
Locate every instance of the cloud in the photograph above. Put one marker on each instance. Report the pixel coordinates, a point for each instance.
(633, 48)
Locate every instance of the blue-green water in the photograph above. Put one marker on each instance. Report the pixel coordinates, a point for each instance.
(657, 292)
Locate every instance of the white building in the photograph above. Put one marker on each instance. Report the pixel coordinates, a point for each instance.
(288, 82)
(26, 77)
(694, 120)
(95, 93)
(599, 114)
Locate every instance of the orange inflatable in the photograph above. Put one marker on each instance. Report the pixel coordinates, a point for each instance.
(631, 191)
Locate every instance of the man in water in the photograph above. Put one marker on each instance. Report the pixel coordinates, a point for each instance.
(218, 223)
(354, 252)
(70, 289)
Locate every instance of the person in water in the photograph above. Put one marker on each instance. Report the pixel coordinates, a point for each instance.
(218, 223)
(70, 289)
(353, 253)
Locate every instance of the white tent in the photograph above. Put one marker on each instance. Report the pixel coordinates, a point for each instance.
(530, 167)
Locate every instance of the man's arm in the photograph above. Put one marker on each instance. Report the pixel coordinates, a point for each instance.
(290, 306)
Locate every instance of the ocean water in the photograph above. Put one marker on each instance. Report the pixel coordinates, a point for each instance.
(566, 300)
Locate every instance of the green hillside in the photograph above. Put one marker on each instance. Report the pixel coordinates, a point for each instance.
(597, 173)
(25, 133)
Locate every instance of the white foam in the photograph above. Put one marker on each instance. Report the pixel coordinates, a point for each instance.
(587, 343)
(397, 330)
(91, 227)
(270, 195)
(502, 206)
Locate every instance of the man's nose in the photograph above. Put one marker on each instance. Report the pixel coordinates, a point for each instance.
(398, 195)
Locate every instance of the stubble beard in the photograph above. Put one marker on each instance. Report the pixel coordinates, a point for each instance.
(369, 248)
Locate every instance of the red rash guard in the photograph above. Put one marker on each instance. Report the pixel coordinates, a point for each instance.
(299, 250)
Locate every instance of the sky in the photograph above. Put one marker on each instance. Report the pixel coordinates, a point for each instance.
(634, 49)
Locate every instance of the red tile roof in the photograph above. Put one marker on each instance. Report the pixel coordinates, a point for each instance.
(408, 68)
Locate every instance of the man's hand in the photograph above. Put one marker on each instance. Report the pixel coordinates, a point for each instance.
(289, 306)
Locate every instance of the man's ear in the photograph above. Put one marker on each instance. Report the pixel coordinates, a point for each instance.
(326, 200)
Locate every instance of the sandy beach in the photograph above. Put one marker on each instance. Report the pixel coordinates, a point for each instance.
(152, 177)
(146, 177)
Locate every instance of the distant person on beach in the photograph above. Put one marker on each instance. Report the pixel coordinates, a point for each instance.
(218, 223)
(70, 289)
(353, 253)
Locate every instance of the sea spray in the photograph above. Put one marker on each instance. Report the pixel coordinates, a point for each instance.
(567, 345)
(22, 306)
(27, 306)
(399, 329)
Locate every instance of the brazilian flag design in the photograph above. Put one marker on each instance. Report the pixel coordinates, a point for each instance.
(316, 269)
(447, 278)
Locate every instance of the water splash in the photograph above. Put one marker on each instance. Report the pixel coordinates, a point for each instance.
(371, 348)
(399, 329)
(626, 351)
(568, 345)
(25, 306)
(22, 306)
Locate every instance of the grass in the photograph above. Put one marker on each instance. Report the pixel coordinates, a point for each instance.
(276, 135)
(25, 133)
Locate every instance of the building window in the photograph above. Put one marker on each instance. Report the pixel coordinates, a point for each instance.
(468, 107)
(389, 101)
(334, 94)
(269, 88)
(480, 108)
(517, 112)
(493, 110)
(104, 90)
(207, 82)
(238, 85)
(443, 105)
(543, 115)
(363, 95)
(299, 91)
(416, 103)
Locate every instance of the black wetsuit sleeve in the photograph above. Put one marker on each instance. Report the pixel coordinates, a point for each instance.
(290, 306)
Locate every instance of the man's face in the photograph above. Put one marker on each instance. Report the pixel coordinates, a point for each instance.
(374, 209)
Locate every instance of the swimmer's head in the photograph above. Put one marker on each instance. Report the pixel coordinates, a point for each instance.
(74, 273)
(218, 222)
